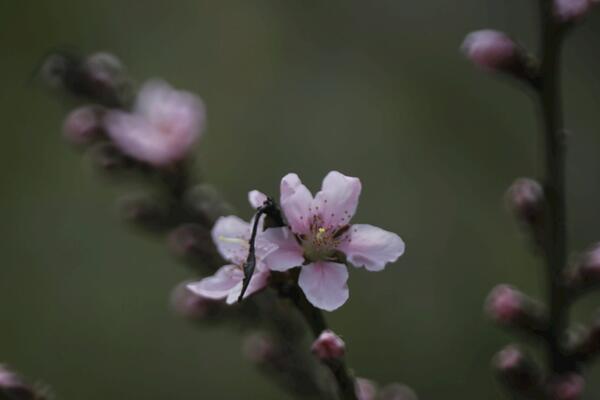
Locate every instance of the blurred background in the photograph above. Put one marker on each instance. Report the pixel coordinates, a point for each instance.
(374, 89)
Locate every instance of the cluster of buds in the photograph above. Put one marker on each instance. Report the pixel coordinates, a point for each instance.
(538, 210)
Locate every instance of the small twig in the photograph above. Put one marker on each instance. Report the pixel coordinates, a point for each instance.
(555, 241)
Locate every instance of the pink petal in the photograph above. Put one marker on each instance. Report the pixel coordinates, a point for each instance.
(230, 235)
(338, 198)
(324, 284)
(259, 281)
(296, 200)
(371, 247)
(256, 198)
(287, 253)
(220, 284)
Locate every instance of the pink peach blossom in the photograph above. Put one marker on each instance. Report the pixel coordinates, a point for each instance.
(163, 126)
(320, 237)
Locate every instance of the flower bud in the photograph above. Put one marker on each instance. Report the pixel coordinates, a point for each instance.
(567, 387)
(525, 198)
(586, 273)
(397, 391)
(516, 371)
(585, 345)
(496, 52)
(571, 10)
(105, 77)
(509, 307)
(365, 389)
(192, 306)
(13, 387)
(83, 125)
(328, 346)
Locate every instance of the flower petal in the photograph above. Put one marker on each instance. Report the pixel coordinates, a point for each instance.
(287, 253)
(296, 200)
(371, 247)
(230, 235)
(219, 285)
(259, 281)
(324, 284)
(256, 198)
(338, 198)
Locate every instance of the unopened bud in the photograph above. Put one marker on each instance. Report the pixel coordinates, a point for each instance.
(495, 51)
(206, 201)
(586, 273)
(397, 391)
(143, 211)
(365, 389)
(509, 307)
(83, 125)
(567, 387)
(259, 348)
(13, 387)
(192, 306)
(525, 198)
(571, 10)
(106, 78)
(328, 346)
(516, 371)
(585, 345)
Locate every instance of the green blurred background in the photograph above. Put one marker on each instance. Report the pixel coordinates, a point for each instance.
(375, 89)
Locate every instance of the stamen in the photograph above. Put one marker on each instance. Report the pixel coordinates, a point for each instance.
(233, 240)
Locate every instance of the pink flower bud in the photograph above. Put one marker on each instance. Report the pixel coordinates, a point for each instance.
(328, 346)
(13, 387)
(571, 10)
(567, 387)
(365, 389)
(589, 269)
(193, 243)
(491, 50)
(505, 304)
(525, 198)
(162, 129)
(84, 124)
(509, 307)
(516, 371)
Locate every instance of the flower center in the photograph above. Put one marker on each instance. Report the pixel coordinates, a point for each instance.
(321, 243)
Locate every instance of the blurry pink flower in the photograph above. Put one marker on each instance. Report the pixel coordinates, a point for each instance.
(491, 50)
(231, 236)
(571, 10)
(163, 126)
(320, 235)
(328, 346)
